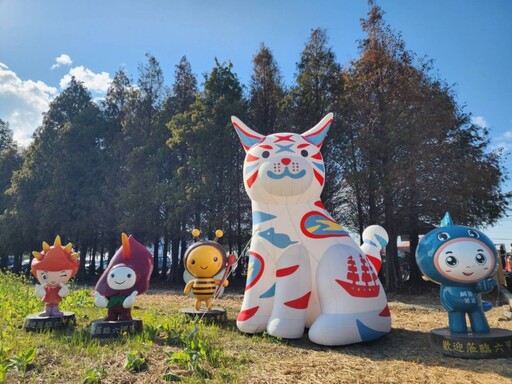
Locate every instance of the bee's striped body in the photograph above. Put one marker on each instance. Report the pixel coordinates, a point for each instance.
(204, 287)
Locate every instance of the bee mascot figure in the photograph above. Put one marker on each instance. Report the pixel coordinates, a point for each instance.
(204, 261)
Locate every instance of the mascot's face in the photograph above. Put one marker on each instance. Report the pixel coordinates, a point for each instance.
(464, 260)
(204, 260)
(283, 166)
(129, 270)
(121, 277)
(54, 278)
(457, 255)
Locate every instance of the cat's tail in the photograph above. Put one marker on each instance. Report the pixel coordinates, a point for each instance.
(375, 239)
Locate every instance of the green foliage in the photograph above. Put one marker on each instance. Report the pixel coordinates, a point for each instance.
(319, 82)
(22, 360)
(4, 367)
(94, 375)
(77, 298)
(169, 376)
(135, 362)
(267, 93)
(18, 299)
(4, 364)
(200, 355)
(269, 338)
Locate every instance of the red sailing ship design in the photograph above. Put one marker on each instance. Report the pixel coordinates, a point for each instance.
(363, 281)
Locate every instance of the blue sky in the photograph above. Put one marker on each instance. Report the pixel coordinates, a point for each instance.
(43, 43)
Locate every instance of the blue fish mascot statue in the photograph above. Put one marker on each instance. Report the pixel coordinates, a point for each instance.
(463, 261)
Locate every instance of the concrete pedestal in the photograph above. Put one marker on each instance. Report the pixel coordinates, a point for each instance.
(495, 344)
(216, 314)
(110, 329)
(36, 323)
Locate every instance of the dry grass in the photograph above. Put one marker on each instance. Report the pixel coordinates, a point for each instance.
(403, 356)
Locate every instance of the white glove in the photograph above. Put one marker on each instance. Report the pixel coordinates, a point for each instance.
(40, 290)
(130, 300)
(100, 301)
(64, 290)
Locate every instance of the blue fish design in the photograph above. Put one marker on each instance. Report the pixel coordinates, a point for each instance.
(260, 217)
(280, 240)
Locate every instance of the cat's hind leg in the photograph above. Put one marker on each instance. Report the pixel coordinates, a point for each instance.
(353, 307)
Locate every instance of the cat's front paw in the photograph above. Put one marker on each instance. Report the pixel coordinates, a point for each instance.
(249, 321)
(286, 328)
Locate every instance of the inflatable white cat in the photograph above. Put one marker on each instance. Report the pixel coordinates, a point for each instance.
(304, 270)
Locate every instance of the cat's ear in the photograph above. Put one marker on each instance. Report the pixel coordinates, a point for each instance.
(247, 136)
(316, 135)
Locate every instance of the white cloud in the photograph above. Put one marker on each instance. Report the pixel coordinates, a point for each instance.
(96, 83)
(61, 61)
(22, 103)
(480, 121)
(508, 135)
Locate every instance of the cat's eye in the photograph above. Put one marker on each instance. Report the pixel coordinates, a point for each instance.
(304, 153)
(265, 154)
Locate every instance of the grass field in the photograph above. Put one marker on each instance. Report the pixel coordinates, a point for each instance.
(173, 348)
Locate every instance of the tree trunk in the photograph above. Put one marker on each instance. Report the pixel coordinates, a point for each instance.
(181, 268)
(175, 259)
(415, 276)
(102, 257)
(92, 265)
(112, 246)
(393, 278)
(83, 259)
(16, 267)
(156, 244)
(165, 251)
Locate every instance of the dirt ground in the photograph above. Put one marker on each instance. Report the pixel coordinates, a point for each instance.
(403, 356)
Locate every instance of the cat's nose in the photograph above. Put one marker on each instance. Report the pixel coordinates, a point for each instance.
(285, 161)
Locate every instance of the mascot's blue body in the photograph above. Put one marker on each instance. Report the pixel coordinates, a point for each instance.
(462, 260)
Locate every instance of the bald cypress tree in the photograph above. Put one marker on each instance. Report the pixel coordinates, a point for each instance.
(58, 186)
(319, 82)
(210, 167)
(184, 93)
(318, 89)
(404, 130)
(10, 161)
(267, 93)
